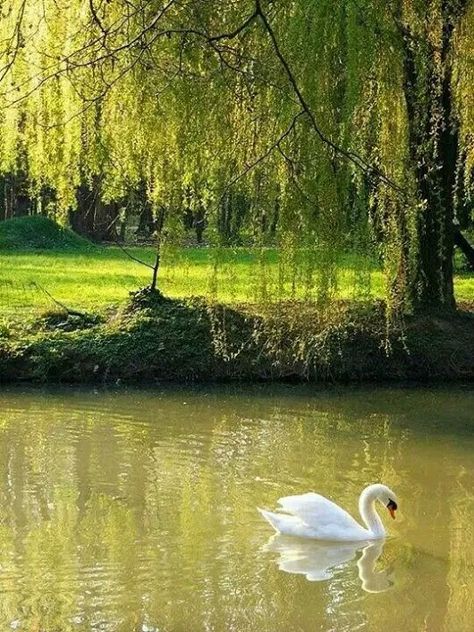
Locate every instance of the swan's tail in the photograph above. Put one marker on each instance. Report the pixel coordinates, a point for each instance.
(282, 523)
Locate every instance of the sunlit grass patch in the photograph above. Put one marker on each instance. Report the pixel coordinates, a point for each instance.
(93, 279)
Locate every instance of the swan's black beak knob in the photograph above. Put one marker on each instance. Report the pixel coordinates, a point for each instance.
(392, 507)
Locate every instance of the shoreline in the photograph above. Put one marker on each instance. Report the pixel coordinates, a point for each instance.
(188, 342)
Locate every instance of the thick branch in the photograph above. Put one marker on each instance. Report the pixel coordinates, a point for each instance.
(136, 259)
(464, 246)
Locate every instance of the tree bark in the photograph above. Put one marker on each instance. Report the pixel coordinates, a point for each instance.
(160, 222)
(93, 217)
(434, 150)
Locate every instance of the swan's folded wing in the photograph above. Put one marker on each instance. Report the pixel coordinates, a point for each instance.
(314, 509)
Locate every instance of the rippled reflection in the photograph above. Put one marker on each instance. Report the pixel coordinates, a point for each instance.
(319, 561)
(136, 511)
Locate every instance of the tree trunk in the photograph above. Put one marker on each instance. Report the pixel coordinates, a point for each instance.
(434, 149)
(14, 195)
(156, 267)
(93, 217)
(160, 222)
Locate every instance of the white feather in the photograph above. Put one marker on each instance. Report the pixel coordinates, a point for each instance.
(311, 515)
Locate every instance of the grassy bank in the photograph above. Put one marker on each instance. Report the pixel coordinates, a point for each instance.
(170, 340)
(181, 338)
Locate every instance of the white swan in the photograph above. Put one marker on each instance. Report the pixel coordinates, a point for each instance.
(314, 516)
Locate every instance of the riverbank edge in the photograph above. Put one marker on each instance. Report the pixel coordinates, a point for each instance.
(192, 341)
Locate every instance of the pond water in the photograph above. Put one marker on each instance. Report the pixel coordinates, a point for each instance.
(136, 510)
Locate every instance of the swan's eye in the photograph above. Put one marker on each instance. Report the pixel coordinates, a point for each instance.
(392, 507)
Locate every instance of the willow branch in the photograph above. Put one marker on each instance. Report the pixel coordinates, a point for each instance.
(263, 156)
(70, 63)
(352, 156)
(97, 20)
(17, 37)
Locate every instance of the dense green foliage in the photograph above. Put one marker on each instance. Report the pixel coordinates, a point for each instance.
(348, 125)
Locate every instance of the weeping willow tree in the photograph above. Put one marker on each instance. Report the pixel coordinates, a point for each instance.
(352, 121)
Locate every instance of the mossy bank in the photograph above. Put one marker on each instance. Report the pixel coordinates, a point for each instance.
(154, 339)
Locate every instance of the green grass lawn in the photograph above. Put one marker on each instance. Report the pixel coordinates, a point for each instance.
(92, 279)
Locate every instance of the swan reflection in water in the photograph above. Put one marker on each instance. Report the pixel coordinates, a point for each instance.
(318, 560)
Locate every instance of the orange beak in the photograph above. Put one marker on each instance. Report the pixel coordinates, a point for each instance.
(392, 507)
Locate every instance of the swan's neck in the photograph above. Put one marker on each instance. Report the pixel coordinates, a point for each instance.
(368, 513)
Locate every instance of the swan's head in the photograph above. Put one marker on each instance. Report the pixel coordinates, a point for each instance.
(381, 493)
(388, 498)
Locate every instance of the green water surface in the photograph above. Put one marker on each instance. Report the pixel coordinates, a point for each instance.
(136, 510)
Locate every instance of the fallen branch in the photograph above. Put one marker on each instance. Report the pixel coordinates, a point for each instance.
(69, 312)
